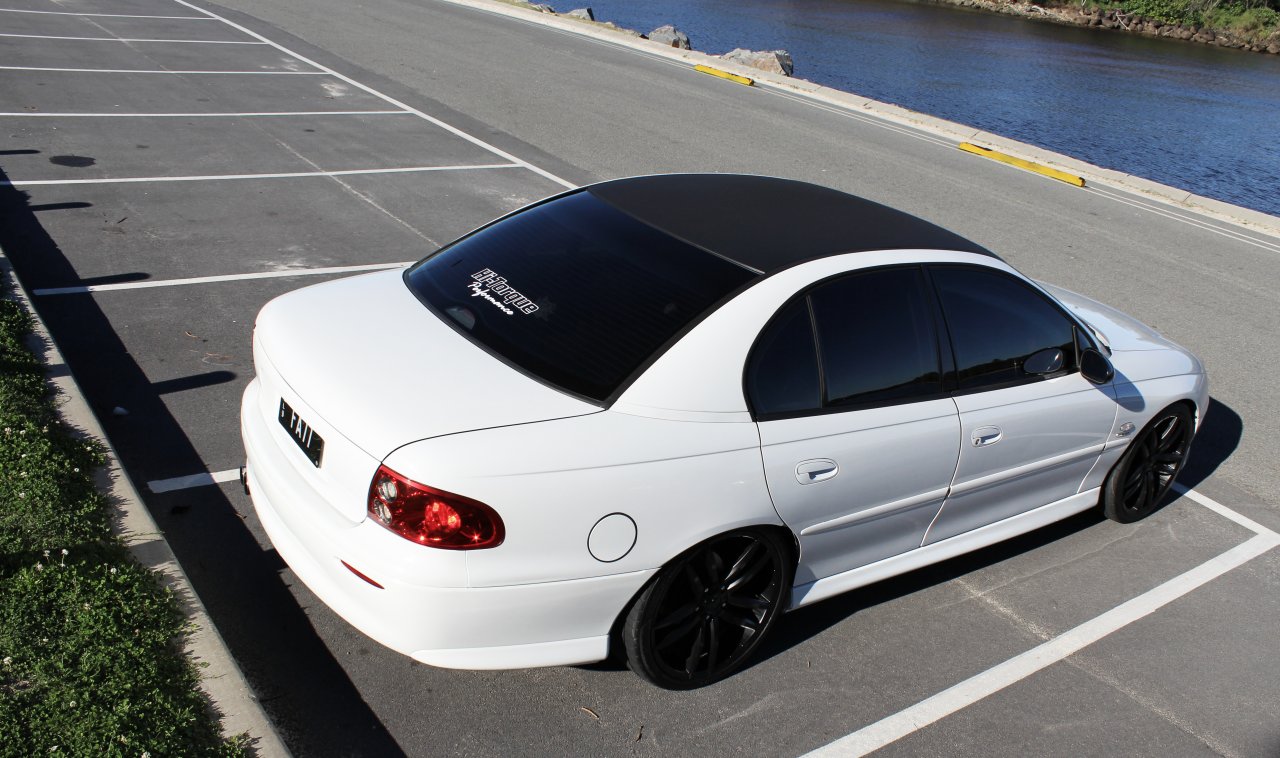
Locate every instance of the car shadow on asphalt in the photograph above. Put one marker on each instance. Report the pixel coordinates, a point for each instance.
(304, 690)
(1218, 437)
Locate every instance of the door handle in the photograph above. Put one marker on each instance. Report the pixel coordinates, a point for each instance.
(816, 470)
(986, 435)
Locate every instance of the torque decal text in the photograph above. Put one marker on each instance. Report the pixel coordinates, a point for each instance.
(487, 284)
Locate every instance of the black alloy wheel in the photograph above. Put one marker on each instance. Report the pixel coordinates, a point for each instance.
(705, 613)
(1138, 483)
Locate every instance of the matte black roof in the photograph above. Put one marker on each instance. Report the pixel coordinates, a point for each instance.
(768, 224)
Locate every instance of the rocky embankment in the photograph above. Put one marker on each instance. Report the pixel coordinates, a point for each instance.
(1125, 22)
(773, 61)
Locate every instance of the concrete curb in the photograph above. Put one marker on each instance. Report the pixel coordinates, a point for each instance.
(220, 677)
(1181, 199)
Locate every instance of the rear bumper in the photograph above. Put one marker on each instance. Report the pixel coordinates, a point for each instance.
(423, 608)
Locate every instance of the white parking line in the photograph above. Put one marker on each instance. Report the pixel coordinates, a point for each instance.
(224, 177)
(1223, 511)
(100, 15)
(204, 115)
(1198, 222)
(281, 274)
(127, 39)
(909, 720)
(158, 71)
(852, 115)
(447, 127)
(195, 480)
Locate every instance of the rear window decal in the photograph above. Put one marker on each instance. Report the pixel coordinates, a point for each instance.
(487, 284)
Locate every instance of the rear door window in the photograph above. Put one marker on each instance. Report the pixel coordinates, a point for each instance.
(876, 338)
(574, 292)
(876, 343)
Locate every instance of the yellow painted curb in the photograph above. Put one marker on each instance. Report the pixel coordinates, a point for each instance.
(724, 74)
(1052, 173)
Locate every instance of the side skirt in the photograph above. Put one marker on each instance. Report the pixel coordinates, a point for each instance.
(960, 544)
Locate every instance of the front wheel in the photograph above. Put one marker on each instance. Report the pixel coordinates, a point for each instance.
(707, 611)
(1138, 483)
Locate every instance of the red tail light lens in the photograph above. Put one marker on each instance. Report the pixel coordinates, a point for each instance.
(432, 517)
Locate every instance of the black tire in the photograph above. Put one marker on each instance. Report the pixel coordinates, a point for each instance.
(1139, 482)
(708, 610)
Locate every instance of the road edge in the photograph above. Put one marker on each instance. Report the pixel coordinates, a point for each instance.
(221, 680)
(1246, 218)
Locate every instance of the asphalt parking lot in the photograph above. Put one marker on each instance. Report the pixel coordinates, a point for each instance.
(167, 172)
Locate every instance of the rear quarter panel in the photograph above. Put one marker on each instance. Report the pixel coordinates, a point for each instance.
(680, 481)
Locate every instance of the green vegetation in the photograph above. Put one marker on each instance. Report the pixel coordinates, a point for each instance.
(90, 659)
(1246, 17)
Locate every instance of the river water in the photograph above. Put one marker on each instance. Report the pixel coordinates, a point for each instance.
(1192, 116)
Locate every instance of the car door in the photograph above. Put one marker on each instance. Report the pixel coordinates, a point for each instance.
(1029, 437)
(858, 438)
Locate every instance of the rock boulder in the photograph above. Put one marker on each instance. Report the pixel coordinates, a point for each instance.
(773, 61)
(583, 13)
(671, 36)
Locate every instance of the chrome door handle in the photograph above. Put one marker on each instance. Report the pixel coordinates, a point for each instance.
(987, 435)
(816, 470)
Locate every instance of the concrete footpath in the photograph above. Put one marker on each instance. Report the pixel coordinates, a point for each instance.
(220, 678)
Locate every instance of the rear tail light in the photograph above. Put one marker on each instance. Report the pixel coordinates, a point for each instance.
(430, 516)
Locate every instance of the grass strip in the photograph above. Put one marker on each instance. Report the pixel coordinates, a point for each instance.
(91, 659)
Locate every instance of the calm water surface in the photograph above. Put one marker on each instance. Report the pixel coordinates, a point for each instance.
(1191, 116)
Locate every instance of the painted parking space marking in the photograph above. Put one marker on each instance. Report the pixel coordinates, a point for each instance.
(1224, 511)
(102, 15)
(232, 177)
(159, 71)
(27, 114)
(281, 274)
(129, 39)
(1198, 222)
(932, 709)
(844, 112)
(432, 119)
(195, 480)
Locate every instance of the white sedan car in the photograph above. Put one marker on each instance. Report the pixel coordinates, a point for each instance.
(650, 415)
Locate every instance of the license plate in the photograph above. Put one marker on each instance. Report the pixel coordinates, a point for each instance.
(311, 444)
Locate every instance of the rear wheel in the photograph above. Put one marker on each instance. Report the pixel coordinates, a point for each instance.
(707, 611)
(1138, 483)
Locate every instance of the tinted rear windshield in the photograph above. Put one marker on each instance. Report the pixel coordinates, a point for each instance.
(573, 291)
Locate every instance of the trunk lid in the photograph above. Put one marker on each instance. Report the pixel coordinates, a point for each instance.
(374, 365)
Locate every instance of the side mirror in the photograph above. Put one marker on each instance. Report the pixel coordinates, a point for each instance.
(1095, 367)
(1044, 361)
